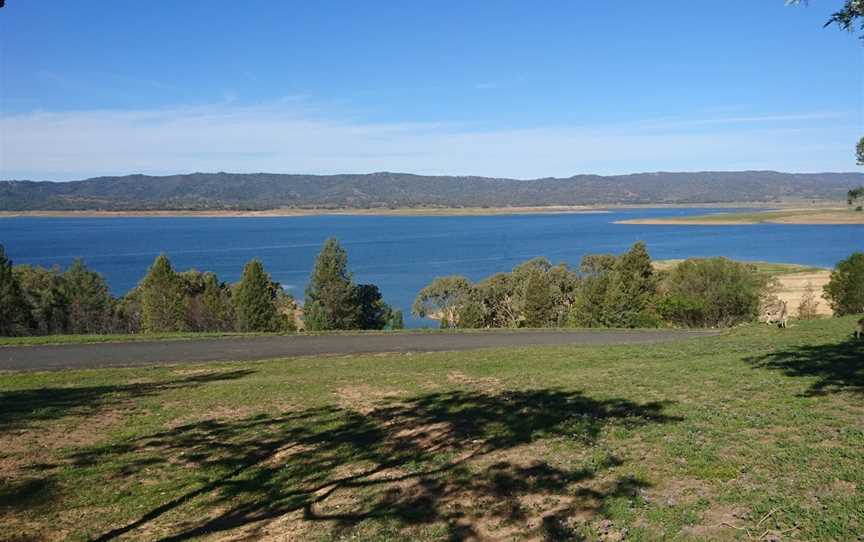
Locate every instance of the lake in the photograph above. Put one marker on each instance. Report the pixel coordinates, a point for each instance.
(401, 254)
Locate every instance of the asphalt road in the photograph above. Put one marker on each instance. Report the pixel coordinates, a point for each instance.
(80, 356)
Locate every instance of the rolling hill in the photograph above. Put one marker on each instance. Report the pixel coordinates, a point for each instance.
(258, 191)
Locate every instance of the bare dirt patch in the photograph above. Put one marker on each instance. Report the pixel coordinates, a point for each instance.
(827, 217)
(429, 437)
(793, 287)
(37, 445)
(487, 384)
(676, 492)
(364, 398)
(719, 521)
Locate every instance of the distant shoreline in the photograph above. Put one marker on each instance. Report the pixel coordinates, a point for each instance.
(826, 216)
(466, 211)
(409, 211)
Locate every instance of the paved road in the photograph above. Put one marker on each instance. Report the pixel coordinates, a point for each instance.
(79, 356)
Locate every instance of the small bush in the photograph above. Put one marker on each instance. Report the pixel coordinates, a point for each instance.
(808, 307)
(715, 292)
(845, 290)
(471, 316)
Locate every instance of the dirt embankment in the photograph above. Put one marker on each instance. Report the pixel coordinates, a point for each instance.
(789, 216)
(793, 287)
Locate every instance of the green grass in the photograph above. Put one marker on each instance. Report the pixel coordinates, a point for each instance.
(765, 268)
(761, 217)
(41, 340)
(752, 216)
(721, 438)
(775, 269)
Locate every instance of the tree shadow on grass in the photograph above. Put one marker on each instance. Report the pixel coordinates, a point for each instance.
(34, 487)
(20, 408)
(453, 461)
(835, 366)
(25, 492)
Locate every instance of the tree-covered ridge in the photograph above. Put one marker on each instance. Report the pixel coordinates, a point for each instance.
(237, 191)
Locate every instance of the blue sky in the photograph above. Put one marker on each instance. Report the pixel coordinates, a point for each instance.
(506, 88)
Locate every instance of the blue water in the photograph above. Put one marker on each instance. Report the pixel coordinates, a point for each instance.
(400, 254)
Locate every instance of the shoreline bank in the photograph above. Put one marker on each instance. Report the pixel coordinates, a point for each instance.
(408, 211)
(835, 216)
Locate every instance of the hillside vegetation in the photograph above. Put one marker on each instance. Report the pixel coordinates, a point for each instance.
(258, 191)
(755, 435)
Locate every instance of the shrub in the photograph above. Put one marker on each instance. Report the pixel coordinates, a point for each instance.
(539, 305)
(845, 290)
(715, 292)
(681, 309)
(89, 299)
(535, 294)
(395, 319)
(443, 299)
(808, 307)
(471, 316)
(14, 310)
(373, 311)
(616, 291)
(43, 295)
(497, 295)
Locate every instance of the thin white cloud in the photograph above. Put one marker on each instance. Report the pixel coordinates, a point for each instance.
(292, 137)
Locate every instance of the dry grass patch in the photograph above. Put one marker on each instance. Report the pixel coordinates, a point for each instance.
(363, 397)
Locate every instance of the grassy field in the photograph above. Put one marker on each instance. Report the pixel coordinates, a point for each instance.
(764, 268)
(786, 216)
(38, 340)
(755, 435)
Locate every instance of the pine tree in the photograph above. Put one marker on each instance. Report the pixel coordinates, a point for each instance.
(638, 275)
(588, 308)
(539, 304)
(88, 298)
(253, 299)
(42, 293)
(162, 299)
(331, 300)
(215, 302)
(373, 310)
(616, 306)
(637, 282)
(14, 312)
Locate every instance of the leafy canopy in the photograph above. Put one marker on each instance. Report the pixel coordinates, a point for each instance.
(845, 290)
